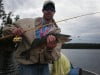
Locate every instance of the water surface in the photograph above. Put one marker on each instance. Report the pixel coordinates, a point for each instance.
(85, 58)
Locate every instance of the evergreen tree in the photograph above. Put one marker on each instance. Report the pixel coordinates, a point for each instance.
(9, 19)
(2, 12)
(2, 15)
(17, 17)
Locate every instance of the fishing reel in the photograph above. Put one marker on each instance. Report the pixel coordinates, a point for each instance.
(17, 39)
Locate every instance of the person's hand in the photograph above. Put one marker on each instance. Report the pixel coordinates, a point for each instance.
(17, 31)
(51, 41)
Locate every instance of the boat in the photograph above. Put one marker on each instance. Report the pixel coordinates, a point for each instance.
(86, 72)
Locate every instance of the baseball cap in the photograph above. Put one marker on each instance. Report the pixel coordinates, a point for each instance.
(49, 5)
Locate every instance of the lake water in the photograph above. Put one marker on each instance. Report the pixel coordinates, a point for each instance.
(88, 59)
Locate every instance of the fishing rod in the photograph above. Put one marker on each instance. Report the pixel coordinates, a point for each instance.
(77, 17)
(40, 26)
(61, 21)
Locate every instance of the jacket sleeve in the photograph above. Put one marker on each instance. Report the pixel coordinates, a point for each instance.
(27, 24)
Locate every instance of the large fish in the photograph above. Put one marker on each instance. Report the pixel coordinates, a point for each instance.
(41, 42)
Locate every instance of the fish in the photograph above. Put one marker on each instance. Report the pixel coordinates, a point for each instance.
(41, 42)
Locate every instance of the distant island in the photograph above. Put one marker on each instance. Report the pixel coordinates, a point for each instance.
(81, 46)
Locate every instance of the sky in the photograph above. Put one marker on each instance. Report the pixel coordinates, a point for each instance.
(82, 30)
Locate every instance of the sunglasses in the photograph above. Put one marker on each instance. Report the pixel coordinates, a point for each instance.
(48, 8)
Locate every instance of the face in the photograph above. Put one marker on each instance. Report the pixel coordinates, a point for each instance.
(48, 14)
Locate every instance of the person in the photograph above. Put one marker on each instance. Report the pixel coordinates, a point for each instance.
(36, 60)
(61, 66)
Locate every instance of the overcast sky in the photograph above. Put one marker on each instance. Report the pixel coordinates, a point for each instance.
(84, 29)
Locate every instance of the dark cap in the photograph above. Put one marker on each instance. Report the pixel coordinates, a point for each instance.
(49, 5)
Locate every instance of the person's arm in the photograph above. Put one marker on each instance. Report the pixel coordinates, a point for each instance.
(12, 29)
(52, 39)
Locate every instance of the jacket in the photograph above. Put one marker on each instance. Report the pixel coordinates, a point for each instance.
(37, 55)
